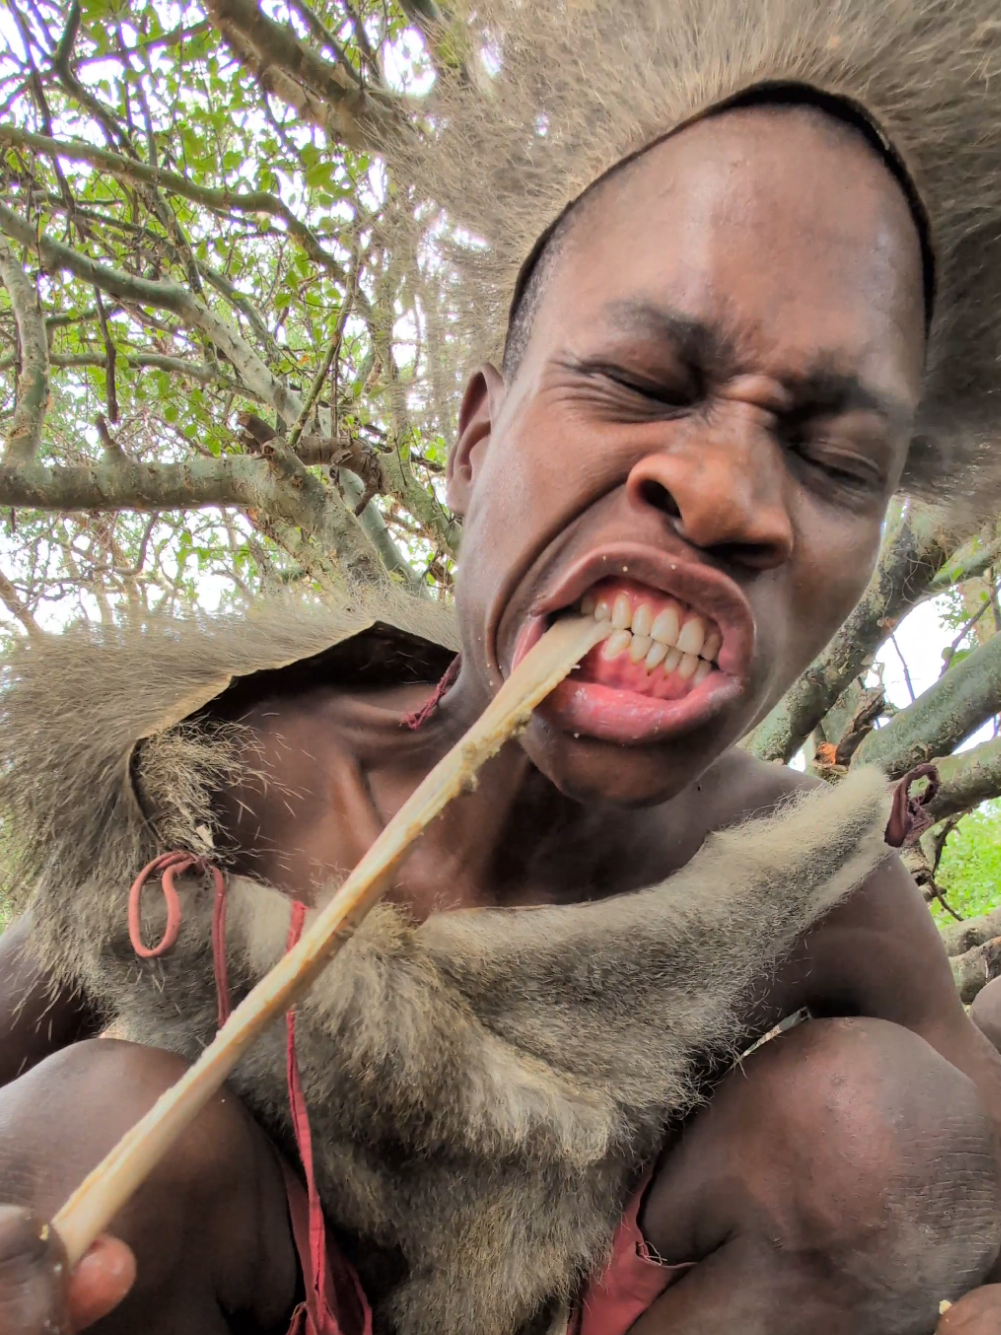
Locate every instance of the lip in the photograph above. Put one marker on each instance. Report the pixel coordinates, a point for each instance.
(627, 717)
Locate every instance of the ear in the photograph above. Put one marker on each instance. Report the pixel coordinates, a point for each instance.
(476, 418)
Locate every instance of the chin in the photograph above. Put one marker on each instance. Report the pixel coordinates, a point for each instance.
(592, 771)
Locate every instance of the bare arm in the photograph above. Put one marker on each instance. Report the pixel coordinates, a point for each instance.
(37, 1017)
(879, 954)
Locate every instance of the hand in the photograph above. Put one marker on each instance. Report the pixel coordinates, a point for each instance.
(976, 1313)
(37, 1296)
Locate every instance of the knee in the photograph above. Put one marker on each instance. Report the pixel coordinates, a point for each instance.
(59, 1119)
(871, 1145)
(986, 1011)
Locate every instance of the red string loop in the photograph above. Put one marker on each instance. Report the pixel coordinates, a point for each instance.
(167, 866)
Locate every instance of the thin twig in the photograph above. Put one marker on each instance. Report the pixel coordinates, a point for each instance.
(25, 435)
(964, 630)
(333, 348)
(903, 664)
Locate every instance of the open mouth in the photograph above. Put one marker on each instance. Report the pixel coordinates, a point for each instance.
(658, 647)
(679, 648)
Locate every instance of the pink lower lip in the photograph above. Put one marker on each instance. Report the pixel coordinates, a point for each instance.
(625, 717)
(612, 714)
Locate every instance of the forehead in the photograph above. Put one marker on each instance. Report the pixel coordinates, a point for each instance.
(778, 228)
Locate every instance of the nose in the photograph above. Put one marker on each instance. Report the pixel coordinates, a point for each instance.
(723, 489)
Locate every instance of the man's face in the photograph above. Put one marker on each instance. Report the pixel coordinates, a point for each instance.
(710, 416)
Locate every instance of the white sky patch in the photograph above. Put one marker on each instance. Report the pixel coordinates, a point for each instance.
(921, 638)
(405, 65)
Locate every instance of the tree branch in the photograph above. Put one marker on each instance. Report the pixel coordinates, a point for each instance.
(14, 604)
(163, 296)
(221, 200)
(975, 968)
(25, 435)
(960, 937)
(276, 485)
(204, 375)
(967, 779)
(322, 94)
(956, 705)
(914, 549)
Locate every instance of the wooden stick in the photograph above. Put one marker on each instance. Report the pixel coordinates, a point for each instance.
(103, 1193)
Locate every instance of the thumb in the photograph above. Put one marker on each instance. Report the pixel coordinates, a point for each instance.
(100, 1281)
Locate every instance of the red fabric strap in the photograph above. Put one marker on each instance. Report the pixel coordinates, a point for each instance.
(167, 866)
(421, 715)
(315, 1316)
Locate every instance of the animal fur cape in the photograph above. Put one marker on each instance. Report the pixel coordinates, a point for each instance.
(485, 1087)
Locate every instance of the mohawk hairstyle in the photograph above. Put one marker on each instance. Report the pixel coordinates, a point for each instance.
(582, 85)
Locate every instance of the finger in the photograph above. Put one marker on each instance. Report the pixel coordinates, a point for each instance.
(100, 1282)
(32, 1275)
(977, 1313)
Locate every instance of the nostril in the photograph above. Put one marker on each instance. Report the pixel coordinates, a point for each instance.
(655, 494)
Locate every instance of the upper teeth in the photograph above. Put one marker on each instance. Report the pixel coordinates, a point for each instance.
(689, 648)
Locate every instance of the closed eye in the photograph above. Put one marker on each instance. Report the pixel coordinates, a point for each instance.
(676, 395)
(827, 458)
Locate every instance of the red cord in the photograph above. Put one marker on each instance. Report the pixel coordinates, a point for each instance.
(322, 1319)
(317, 1318)
(420, 716)
(219, 947)
(167, 866)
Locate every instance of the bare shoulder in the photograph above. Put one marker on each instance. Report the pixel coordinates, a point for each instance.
(739, 786)
(878, 953)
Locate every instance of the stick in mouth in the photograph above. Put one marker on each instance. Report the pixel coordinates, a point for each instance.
(105, 1190)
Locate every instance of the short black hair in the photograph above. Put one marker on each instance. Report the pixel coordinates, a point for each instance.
(537, 268)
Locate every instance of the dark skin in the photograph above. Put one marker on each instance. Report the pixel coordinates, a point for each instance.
(722, 376)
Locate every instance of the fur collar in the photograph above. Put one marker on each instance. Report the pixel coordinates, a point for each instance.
(485, 1088)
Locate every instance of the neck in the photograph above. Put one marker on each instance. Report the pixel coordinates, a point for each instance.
(339, 765)
(516, 839)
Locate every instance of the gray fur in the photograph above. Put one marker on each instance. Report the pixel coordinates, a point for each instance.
(484, 1088)
(583, 84)
(98, 771)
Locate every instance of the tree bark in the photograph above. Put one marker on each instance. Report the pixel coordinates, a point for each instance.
(915, 548)
(940, 718)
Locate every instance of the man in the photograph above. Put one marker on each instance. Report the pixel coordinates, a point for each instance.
(709, 397)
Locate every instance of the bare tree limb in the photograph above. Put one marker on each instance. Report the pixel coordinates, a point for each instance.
(967, 779)
(204, 375)
(25, 435)
(914, 549)
(322, 94)
(963, 936)
(941, 717)
(14, 604)
(975, 968)
(278, 485)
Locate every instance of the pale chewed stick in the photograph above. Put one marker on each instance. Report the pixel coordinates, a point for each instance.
(103, 1193)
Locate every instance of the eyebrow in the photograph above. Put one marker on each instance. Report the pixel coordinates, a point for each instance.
(822, 389)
